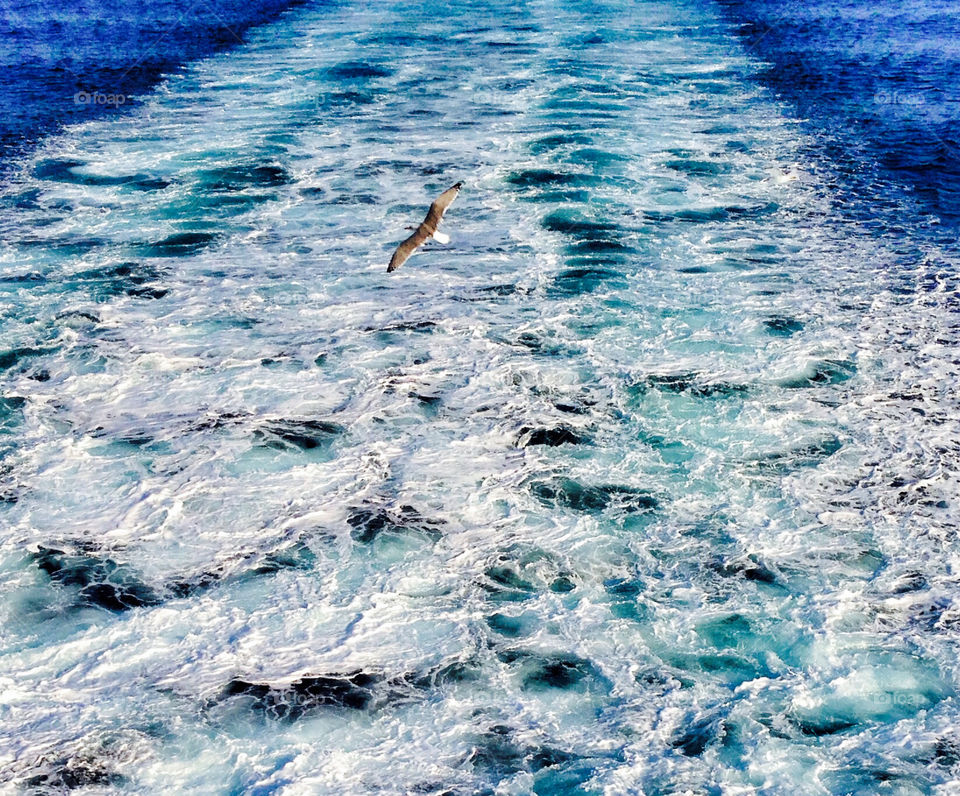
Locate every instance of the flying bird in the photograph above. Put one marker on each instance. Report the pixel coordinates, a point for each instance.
(426, 230)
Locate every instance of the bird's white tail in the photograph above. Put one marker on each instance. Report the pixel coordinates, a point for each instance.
(439, 237)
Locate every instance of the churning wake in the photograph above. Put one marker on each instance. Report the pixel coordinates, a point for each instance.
(646, 483)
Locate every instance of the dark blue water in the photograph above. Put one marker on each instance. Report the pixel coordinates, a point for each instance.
(879, 83)
(81, 59)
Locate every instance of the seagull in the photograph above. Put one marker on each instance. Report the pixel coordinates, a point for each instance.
(426, 230)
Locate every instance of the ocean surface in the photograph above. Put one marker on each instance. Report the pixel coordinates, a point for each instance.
(647, 483)
(77, 60)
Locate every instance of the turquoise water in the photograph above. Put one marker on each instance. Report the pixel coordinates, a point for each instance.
(646, 483)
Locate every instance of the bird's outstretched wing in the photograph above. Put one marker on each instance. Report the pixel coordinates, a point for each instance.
(408, 247)
(426, 229)
(439, 207)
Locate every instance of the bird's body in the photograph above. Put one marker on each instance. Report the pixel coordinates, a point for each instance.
(426, 230)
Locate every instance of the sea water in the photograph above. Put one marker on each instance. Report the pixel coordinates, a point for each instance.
(646, 483)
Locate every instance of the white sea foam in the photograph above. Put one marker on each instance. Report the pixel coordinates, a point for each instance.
(720, 587)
